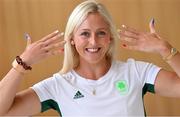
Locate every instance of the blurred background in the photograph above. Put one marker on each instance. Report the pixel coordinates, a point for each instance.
(41, 17)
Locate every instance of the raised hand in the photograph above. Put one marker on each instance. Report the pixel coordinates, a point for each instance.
(43, 48)
(142, 41)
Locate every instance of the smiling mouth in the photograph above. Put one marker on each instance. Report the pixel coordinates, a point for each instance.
(92, 50)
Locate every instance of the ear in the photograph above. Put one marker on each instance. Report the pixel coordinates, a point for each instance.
(72, 42)
(110, 40)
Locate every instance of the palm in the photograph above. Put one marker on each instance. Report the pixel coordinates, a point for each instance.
(140, 41)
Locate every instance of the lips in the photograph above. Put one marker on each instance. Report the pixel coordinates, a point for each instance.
(92, 50)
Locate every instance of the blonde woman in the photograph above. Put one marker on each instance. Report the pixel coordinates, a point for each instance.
(91, 82)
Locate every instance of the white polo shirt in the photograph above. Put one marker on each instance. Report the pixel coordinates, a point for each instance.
(118, 93)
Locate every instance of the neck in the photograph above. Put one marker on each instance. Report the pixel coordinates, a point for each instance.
(93, 70)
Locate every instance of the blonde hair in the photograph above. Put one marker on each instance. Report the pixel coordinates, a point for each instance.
(79, 14)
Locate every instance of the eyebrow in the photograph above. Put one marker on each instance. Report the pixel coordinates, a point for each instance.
(97, 29)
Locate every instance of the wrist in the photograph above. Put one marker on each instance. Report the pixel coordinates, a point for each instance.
(20, 66)
(173, 52)
(167, 51)
(22, 63)
(25, 59)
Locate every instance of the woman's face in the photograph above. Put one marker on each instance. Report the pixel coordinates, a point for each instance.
(92, 38)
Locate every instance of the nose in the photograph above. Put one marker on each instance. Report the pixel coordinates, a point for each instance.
(93, 39)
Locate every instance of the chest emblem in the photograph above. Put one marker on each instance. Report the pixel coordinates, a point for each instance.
(122, 86)
(78, 95)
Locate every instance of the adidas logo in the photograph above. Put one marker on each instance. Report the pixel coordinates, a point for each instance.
(78, 95)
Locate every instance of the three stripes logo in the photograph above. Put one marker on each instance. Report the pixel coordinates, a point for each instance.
(78, 95)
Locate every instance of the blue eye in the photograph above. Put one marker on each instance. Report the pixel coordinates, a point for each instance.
(86, 34)
(101, 33)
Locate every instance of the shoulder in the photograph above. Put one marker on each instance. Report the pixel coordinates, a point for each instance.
(54, 80)
(132, 64)
(63, 77)
(129, 62)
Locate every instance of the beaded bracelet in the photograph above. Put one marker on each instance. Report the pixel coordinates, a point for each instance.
(19, 68)
(23, 64)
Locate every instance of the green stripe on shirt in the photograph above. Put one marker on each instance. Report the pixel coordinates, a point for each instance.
(50, 104)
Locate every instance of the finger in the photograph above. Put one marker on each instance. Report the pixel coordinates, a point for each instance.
(132, 30)
(151, 26)
(53, 39)
(129, 40)
(55, 52)
(127, 34)
(130, 47)
(50, 36)
(28, 38)
(55, 46)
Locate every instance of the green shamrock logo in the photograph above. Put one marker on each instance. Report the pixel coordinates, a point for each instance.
(122, 86)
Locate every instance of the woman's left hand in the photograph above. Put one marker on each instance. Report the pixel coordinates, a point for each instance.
(143, 41)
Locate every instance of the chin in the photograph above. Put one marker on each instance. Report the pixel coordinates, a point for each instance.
(95, 60)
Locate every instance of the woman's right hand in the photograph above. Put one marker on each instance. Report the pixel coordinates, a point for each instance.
(43, 48)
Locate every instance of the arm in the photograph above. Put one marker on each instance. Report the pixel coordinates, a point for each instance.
(26, 102)
(167, 82)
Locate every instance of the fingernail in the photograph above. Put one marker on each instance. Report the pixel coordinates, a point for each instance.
(152, 21)
(124, 26)
(119, 30)
(62, 34)
(56, 31)
(26, 36)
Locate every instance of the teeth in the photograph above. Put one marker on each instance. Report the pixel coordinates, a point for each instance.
(92, 49)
